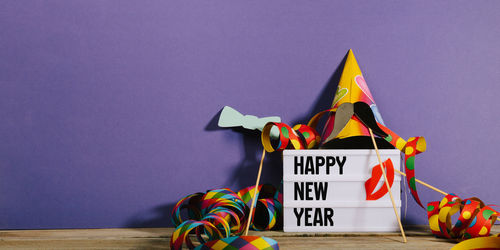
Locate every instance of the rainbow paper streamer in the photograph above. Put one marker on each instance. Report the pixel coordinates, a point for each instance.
(221, 214)
(241, 242)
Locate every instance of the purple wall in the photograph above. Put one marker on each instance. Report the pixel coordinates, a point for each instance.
(108, 109)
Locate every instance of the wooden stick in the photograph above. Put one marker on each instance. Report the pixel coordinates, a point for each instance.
(255, 192)
(423, 183)
(387, 185)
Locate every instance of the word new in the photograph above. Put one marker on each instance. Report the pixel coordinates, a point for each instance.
(322, 216)
(304, 190)
(311, 165)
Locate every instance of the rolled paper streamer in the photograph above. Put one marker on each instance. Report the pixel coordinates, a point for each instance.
(192, 206)
(410, 152)
(221, 213)
(492, 242)
(475, 219)
(290, 136)
(410, 148)
(309, 135)
(241, 242)
(371, 183)
(485, 218)
(267, 213)
(217, 197)
(180, 235)
(448, 207)
(400, 143)
(218, 213)
(469, 208)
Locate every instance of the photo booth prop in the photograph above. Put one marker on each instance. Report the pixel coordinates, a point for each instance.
(324, 191)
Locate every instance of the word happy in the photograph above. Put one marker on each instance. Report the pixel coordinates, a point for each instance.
(311, 165)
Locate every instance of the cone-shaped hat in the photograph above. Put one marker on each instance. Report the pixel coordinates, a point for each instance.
(352, 88)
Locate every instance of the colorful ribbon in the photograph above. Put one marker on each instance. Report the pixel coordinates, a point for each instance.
(310, 138)
(475, 219)
(412, 147)
(222, 213)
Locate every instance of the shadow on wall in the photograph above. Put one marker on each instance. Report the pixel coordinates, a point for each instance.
(159, 216)
(244, 174)
(324, 100)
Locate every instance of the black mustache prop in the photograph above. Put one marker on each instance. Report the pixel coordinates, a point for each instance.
(364, 113)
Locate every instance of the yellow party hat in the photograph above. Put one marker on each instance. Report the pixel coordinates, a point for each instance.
(352, 88)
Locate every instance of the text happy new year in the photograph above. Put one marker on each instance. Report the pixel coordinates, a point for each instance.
(314, 191)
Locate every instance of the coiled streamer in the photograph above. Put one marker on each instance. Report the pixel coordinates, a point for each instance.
(221, 213)
(301, 137)
(475, 220)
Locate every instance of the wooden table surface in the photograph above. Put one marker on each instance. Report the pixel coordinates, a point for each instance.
(159, 238)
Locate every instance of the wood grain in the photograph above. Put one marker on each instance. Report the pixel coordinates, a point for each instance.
(419, 237)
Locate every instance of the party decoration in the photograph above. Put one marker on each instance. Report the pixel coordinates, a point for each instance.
(343, 114)
(359, 111)
(492, 242)
(221, 214)
(270, 200)
(353, 119)
(475, 219)
(323, 191)
(347, 111)
(371, 183)
(241, 242)
(410, 152)
(287, 136)
(412, 147)
(305, 136)
(352, 114)
(229, 117)
(352, 88)
(365, 114)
